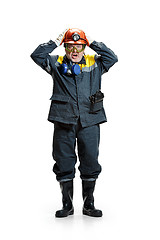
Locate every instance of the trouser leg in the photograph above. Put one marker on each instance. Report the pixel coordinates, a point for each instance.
(64, 141)
(88, 150)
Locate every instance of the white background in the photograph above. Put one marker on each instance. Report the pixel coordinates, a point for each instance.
(128, 189)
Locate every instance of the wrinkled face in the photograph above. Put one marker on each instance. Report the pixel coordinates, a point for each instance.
(74, 52)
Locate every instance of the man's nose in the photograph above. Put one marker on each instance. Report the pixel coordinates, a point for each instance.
(74, 49)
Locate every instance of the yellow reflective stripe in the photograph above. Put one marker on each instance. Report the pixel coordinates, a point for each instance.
(60, 59)
(89, 60)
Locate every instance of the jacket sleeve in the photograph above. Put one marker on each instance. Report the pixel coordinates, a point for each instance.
(41, 56)
(106, 57)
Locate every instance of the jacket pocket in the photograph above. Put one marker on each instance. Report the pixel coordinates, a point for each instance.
(60, 106)
(60, 98)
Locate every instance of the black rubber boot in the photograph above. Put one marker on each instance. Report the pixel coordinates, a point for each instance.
(67, 197)
(87, 192)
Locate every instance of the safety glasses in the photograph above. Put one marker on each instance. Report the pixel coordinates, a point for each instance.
(71, 47)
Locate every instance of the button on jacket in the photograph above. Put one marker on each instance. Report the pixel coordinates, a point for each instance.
(70, 99)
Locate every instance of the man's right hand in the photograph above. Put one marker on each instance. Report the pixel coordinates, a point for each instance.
(59, 39)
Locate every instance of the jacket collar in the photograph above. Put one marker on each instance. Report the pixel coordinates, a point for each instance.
(67, 61)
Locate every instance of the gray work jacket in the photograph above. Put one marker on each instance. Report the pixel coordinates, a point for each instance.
(70, 99)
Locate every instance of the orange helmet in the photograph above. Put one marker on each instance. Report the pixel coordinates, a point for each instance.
(75, 36)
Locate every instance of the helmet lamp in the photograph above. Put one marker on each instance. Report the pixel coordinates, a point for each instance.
(75, 37)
